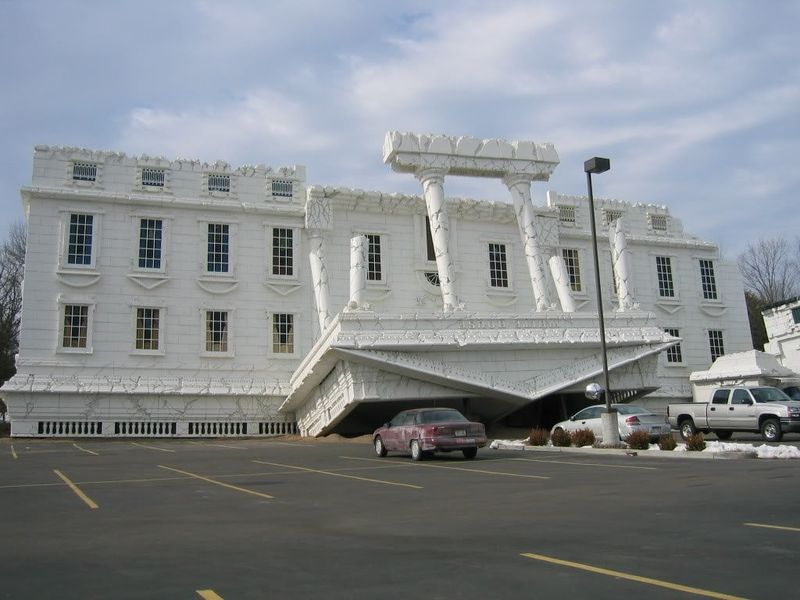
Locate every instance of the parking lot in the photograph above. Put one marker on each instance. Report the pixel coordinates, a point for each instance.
(288, 518)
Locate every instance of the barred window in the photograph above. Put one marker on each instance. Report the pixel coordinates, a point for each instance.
(282, 251)
(573, 262)
(219, 183)
(282, 188)
(566, 214)
(79, 250)
(218, 247)
(153, 177)
(611, 215)
(84, 172)
(150, 240)
(374, 263)
(658, 222)
(216, 331)
(707, 279)
(498, 266)
(147, 328)
(796, 314)
(715, 344)
(283, 333)
(666, 287)
(76, 326)
(674, 354)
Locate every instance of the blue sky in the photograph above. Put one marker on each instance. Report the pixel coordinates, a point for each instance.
(697, 103)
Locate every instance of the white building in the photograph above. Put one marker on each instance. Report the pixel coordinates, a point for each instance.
(178, 298)
(782, 321)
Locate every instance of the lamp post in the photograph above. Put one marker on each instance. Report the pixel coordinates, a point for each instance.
(610, 428)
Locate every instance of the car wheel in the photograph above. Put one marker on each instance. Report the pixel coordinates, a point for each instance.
(416, 450)
(380, 449)
(723, 435)
(687, 429)
(771, 430)
(470, 452)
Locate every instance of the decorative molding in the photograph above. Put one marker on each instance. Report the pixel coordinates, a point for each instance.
(77, 279)
(284, 288)
(212, 285)
(713, 310)
(148, 281)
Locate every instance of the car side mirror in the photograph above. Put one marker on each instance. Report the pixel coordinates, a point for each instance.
(748, 402)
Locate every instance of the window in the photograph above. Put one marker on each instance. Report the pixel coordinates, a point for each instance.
(216, 331)
(573, 262)
(566, 214)
(281, 188)
(218, 247)
(153, 177)
(84, 172)
(283, 333)
(796, 314)
(282, 251)
(432, 277)
(498, 266)
(720, 397)
(76, 326)
(707, 279)
(219, 183)
(666, 288)
(79, 248)
(715, 344)
(147, 328)
(611, 215)
(374, 264)
(151, 233)
(658, 222)
(674, 354)
(741, 396)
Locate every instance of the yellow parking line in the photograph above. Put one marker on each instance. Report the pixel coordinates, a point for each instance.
(208, 595)
(583, 464)
(430, 466)
(408, 485)
(85, 450)
(214, 481)
(76, 489)
(151, 447)
(781, 527)
(619, 574)
(13, 452)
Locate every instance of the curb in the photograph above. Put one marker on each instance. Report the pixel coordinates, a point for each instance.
(627, 452)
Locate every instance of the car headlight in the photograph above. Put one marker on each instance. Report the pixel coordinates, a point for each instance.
(794, 412)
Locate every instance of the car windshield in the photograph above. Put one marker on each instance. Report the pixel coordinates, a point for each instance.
(627, 409)
(768, 394)
(442, 416)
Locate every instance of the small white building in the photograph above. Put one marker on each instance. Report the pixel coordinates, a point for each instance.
(180, 298)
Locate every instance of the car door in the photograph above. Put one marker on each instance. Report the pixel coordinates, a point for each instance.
(588, 418)
(742, 409)
(717, 412)
(393, 435)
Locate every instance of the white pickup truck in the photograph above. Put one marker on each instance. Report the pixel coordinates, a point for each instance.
(737, 408)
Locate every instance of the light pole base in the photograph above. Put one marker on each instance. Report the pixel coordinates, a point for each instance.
(610, 429)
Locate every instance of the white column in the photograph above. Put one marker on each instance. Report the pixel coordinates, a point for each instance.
(621, 264)
(520, 188)
(358, 271)
(433, 190)
(561, 278)
(319, 277)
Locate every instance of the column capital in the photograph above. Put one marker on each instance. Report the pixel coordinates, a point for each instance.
(514, 179)
(430, 175)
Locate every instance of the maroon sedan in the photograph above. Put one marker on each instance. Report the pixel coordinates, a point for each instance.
(426, 430)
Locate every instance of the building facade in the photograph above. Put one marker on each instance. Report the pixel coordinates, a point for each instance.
(782, 321)
(179, 298)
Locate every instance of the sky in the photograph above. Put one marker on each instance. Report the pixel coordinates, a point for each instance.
(696, 103)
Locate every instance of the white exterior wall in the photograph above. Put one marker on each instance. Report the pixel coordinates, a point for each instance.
(784, 334)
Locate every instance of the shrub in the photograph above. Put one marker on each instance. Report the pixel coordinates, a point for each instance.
(561, 438)
(539, 437)
(667, 442)
(696, 442)
(582, 437)
(638, 440)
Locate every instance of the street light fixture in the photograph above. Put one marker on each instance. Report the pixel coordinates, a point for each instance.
(599, 165)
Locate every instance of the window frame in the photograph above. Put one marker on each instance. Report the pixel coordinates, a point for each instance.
(233, 235)
(229, 336)
(714, 281)
(721, 340)
(271, 343)
(162, 312)
(670, 352)
(671, 273)
(63, 303)
(581, 291)
(269, 241)
(505, 266)
(65, 233)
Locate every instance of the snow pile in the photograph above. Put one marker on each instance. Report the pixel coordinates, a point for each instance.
(712, 447)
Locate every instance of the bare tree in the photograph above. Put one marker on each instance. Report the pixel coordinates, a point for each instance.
(769, 268)
(12, 268)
